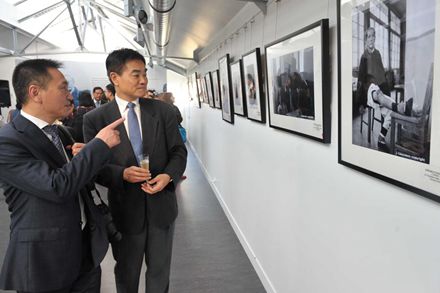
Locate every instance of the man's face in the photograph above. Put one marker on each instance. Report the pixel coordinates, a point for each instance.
(108, 94)
(56, 100)
(132, 83)
(371, 38)
(97, 94)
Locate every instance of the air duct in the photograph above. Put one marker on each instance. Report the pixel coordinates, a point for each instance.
(161, 15)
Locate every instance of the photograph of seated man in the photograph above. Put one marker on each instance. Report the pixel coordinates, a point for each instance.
(392, 74)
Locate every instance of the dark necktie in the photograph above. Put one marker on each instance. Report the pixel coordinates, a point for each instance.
(134, 130)
(52, 130)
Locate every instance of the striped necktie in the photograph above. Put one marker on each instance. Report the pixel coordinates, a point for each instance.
(52, 130)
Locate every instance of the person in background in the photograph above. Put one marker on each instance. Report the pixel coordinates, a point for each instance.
(53, 217)
(76, 123)
(109, 92)
(142, 201)
(151, 94)
(169, 99)
(98, 92)
(13, 113)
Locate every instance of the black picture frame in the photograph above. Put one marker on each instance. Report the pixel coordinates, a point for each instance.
(226, 89)
(238, 91)
(298, 82)
(216, 89)
(396, 146)
(255, 102)
(209, 89)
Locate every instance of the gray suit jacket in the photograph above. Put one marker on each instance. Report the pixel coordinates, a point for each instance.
(162, 141)
(44, 251)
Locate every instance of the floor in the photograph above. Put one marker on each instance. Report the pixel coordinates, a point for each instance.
(207, 256)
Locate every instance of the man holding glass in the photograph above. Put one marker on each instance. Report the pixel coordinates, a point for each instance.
(143, 202)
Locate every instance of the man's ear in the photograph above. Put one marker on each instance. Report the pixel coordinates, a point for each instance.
(34, 93)
(114, 77)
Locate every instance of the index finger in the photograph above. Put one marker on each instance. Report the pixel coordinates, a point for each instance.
(115, 123)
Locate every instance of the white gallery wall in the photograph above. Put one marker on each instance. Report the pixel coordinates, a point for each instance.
(307, 223)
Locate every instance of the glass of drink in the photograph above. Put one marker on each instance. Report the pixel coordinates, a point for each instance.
(144, 162)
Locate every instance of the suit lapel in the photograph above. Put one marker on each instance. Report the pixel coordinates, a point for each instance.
(39, 144)
(149, 125)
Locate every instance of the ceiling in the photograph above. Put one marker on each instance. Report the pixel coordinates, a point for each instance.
(194, 24)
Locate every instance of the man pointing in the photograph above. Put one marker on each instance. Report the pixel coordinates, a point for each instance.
(57, 237)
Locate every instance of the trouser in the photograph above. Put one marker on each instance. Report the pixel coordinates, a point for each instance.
(155, 244)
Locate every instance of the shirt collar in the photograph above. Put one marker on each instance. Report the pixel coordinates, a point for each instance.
(37, 121)
(122, 104)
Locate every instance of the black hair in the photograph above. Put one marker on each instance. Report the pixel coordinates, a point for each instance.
(85, 99)
(97, 88)
(31, 72)
(111, 88)
(117, 59)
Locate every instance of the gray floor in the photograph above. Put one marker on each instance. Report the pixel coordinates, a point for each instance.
(207, 255)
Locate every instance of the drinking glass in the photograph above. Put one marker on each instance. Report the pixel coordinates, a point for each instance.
(144, 162)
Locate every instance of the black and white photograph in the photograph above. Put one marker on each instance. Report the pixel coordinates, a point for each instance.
(193, 90)
(253, 86)
(209, 89)
(238, 92)
(216, 89)
(225, 89)
(297, 82)
(204, 90)
(387, 88)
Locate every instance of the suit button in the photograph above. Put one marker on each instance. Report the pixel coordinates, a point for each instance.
(92, 226)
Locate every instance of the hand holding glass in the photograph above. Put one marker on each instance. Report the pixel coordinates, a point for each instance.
(144, 162)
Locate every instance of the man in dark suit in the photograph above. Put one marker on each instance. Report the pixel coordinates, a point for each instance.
(143, 212)
(98, 97)
(57, 237)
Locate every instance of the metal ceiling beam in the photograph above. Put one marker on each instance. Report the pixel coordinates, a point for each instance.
(72, 18)
(85, 24)
(38, 35)
(6, 51)
(102, 33)
(262, 4)
(175, 68)
(19, 2)
(42, 11)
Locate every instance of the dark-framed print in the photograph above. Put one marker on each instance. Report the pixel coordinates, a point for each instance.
(298, 82)
(199, 89)
(216, 89)
(194, 89)
(225, 89)
(389, 67)
(204, 90)
(209, 89)
(254, 88)
(238, 91)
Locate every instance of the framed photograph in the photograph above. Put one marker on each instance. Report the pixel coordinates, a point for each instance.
(225, 89)
(238, 91)
(204, 90)
(199, 90)
(209, 89)
(193, 89)
(216, 89)
(253, 85)
(389, 72)
(298, 79)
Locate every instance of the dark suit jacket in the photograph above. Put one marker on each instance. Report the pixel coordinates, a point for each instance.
(44, 251)
(162, 141)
